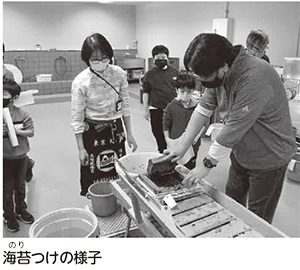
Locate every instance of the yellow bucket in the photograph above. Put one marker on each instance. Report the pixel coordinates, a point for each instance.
(66, 222)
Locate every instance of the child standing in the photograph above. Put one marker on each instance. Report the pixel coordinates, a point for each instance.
(30, 162)
(159, 90)
(15, 160)
(178, 113)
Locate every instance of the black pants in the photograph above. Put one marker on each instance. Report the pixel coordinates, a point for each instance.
(156, 120)
(261, 188)
(14, 172)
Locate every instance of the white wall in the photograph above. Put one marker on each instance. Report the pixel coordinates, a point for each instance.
(65, 25)
(173, 25)
(279, 19)
(176, 24)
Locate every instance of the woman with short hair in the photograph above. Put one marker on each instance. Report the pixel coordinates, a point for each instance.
(100, 107)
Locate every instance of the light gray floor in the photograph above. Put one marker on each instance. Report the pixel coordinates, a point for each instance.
(55, 183)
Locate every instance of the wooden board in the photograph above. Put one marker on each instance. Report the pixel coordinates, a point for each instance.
(191, 203)
(197, 213)
(207, 224)
(250, 234)
(232, 229)
(201, 211)
(255, 222)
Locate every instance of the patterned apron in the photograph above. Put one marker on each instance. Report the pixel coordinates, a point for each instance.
(103, 141)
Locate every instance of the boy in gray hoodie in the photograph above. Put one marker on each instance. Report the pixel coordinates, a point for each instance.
(178, 113)
(15, 160)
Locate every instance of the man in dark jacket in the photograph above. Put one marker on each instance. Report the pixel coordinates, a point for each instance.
(257, 132)
(159, 90)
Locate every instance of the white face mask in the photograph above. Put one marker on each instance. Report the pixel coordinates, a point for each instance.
(184, 97)
(101, 66)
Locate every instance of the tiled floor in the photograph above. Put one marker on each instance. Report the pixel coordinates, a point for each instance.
(55, 183)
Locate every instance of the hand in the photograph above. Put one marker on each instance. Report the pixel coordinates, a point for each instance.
(86, 126)
(19, 126)
(147, 115)
(19, 129)
(84, 157)
(131, 142)
(5, 129)
(196, 175)
(175, 154)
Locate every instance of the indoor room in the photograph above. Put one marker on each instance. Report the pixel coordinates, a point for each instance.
(51, 50)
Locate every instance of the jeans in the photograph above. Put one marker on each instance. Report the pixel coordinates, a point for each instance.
(14, 173)
(261, 188)
(156, 120)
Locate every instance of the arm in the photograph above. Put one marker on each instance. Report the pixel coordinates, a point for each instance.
(146, 105)
(5, 129)
(167, 134)
(26, 129)
(249, 103)
(130, 139)
(195, 124)
(146, 90)
(24, 133)
(78, 105)
(124, 94)
(248, 106)
(167, 123)
(199, 134)
(83, 155)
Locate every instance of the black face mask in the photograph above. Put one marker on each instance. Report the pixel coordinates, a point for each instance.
(215, 83)
(160, 63)
(6, 101)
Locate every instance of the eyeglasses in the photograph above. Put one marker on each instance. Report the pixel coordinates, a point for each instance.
(98, 60)
(208, 78)
(257, 51)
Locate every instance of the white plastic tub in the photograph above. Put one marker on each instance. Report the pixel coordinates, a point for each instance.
(136, 163)
(66, 222)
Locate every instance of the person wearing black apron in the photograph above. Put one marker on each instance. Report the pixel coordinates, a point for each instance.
(100, 107)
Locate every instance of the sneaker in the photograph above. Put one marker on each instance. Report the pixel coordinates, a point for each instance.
(29, 173)
(11, 224)
(25, 217)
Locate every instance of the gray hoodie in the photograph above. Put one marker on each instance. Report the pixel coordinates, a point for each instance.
(258, 126)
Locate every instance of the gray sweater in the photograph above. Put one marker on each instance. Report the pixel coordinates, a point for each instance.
(18, 117)
(258, 127)
(176, 117)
